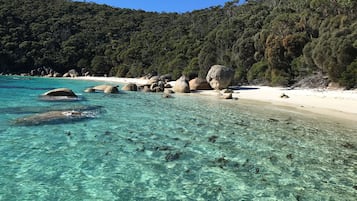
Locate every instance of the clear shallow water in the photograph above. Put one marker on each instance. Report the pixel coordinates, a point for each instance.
(143, 147)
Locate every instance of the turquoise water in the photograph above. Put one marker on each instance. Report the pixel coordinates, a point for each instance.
(139, 146)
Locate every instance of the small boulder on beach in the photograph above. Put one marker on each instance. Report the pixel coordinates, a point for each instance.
(199, 84)
(182, 85)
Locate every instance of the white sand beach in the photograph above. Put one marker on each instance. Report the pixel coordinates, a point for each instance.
(340, 104)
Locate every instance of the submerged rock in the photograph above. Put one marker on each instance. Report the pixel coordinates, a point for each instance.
(172, 156)
(89, 90)
(42, 109)
(54, 117)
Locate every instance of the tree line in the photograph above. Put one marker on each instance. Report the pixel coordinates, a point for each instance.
(276, 42)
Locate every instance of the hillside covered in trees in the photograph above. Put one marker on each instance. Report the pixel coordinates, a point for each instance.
(275, 42)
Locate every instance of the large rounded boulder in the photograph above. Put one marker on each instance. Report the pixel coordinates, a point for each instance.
(182, 85)
(219, 77)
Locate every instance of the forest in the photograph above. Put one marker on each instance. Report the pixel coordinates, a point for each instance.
(273, 42)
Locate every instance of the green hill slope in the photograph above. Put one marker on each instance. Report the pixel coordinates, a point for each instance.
(266, 41)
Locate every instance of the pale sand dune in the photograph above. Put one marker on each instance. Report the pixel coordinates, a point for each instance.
(334, 103)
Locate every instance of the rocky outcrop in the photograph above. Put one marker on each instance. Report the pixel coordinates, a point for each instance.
(43, 71)
(130, 87)
(317, 80)
(60, 92)
(108, 89)
(199, 84)
(182, 85)
(219, 77)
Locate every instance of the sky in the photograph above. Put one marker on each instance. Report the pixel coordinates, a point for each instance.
(179, 6)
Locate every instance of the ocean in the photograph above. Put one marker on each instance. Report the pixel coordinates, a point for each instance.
(140, 146)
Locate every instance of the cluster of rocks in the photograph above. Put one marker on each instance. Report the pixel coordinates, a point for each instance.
(105, 88)
(317, 80)
(219, 77)
(49, 72)
(44, 71)
(155, 84)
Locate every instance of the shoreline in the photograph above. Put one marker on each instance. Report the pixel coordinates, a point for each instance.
(340, 104)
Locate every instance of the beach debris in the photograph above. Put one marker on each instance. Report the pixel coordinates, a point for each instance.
(283, 95)
(219, 77)
(182, 85)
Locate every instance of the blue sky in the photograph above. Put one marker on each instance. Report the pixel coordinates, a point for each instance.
(162, 5)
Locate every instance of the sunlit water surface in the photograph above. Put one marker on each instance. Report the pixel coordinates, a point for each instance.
(140, 146)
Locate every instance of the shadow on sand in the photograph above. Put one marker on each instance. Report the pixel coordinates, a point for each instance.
(242, 88)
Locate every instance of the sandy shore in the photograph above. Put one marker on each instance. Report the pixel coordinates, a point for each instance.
(333, 103)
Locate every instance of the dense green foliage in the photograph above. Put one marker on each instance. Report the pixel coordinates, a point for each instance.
(265, 41)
